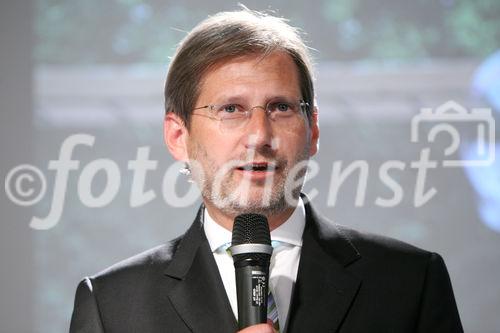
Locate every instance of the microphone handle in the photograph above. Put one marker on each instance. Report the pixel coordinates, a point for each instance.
(252, 291)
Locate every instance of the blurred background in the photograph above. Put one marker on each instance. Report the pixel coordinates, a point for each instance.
(98, 68)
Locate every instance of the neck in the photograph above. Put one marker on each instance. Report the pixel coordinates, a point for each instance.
(227, 220)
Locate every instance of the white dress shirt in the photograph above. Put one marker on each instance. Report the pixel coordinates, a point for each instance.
(284, 260)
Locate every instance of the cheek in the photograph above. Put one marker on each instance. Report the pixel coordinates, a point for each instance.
(212, 153)
(295, 141)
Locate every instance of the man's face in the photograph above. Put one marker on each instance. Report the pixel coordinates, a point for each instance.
(246, 170)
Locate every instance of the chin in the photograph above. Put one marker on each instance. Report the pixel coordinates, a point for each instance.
(256, 204)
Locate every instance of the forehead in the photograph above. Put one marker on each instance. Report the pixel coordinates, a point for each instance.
(253, 75)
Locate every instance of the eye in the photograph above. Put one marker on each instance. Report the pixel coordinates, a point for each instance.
(283, 107)
(229, 108)
(231, 112)
(280, 106)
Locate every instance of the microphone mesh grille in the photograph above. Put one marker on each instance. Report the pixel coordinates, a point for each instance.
(251, 229)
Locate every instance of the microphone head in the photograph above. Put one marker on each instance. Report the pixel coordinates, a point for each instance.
(251, 229)
(251, 240)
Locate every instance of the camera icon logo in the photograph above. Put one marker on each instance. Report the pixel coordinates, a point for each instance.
(447, 118)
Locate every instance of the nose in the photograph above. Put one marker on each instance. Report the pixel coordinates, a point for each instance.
(259, 132)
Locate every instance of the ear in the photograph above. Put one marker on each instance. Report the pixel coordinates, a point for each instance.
(175, 135)
(314, 133)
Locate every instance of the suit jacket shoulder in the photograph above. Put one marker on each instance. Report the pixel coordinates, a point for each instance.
(174, 287)
(154, 260)
(365, 282)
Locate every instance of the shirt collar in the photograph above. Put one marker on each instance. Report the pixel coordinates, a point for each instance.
(289, 232)
(216, 234)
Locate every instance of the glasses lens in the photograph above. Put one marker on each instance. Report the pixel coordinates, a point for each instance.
(282, 113)
(231, 116)
(279, 110)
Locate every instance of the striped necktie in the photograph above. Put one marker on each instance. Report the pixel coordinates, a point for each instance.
(272, 312)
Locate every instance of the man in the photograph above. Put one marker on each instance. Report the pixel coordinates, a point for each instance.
(240, 113)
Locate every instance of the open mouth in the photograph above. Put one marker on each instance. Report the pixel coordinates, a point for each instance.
(262, 167)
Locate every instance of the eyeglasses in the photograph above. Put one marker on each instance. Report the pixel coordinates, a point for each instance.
(235, 116)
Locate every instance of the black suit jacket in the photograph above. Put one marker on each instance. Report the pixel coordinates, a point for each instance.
(347, 282)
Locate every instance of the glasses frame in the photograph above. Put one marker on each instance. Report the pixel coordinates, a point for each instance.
(303, 105)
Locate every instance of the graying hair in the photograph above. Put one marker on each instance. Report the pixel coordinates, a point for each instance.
(227, 35)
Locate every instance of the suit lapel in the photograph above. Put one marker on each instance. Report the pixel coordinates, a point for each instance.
(322, 296)
(199, 296)
(324, 290)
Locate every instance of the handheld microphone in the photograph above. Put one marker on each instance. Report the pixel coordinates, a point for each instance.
(251, 250)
